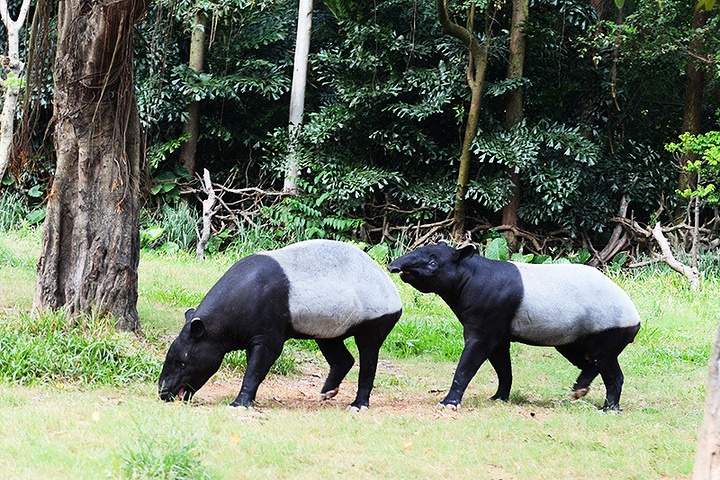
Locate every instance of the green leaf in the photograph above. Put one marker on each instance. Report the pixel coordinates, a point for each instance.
(520, 258)
(497, 250)
(36, 191)
(36, 216)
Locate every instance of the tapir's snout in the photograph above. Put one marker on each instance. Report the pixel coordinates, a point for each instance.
(393, 268)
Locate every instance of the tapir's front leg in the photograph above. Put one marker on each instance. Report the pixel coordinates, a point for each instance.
(261, 355)
(476, 351)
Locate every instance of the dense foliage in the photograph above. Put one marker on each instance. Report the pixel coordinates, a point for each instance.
(385, 108)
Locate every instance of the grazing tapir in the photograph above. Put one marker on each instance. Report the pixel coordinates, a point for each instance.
(320, 289)
(574, 308)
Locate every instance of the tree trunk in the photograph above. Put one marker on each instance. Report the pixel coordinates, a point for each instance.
(191, 127)
(476, 71)
(692, 111)
(90, 244)
(13, 70)
(514, 109)
(297, 93)
(707, 455)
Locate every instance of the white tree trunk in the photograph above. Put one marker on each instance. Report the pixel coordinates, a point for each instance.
(297, 93)
(13, 69)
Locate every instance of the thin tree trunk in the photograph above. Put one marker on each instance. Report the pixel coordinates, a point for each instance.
(476, 71)
(514, 109)
(90, 245)
(191, 127)
(13, 70)
(692, 110)
(297, 93)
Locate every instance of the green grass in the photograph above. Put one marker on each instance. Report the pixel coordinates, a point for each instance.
(83, 413)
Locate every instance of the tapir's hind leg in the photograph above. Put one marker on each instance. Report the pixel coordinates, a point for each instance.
(577, 355)
(500, 361)
(340, 360)
(368, 339)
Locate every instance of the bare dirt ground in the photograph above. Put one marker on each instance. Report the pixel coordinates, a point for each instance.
(301, 391)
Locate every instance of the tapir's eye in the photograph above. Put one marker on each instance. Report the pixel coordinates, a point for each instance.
(181, 364)
(432, 263)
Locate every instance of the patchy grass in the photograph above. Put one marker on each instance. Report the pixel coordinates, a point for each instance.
(71, 427)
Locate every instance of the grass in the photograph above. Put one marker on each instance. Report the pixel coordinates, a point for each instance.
(108, 422)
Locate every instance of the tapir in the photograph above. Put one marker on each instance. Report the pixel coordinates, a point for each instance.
(574, 308)
(317, 289)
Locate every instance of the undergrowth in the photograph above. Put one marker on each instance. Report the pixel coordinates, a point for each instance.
(54, 347)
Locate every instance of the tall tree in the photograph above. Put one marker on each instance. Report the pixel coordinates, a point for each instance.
(90, 245)
(694, 86)
(297, 92)
(191, 126)
(13, 70)
(476, 72)
(514, 107)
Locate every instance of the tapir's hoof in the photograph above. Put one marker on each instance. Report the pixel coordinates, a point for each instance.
(354, 409)
(448, 406)
(580, 392)
(328, 395)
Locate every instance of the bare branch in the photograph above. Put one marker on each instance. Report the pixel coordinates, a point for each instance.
(691, 273)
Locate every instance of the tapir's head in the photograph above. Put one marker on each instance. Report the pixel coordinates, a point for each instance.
(432, 268)
(192, 359)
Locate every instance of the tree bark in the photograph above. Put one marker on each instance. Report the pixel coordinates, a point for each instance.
(707, 454)
(692, 110)
(514, 110)
(13, 70)
(297, 92)
(476, 72)
(91, 240)
(191, 127)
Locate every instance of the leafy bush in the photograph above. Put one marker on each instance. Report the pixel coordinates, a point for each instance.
(169, 228)
(13, 212)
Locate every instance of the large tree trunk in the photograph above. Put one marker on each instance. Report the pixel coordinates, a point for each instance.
(191, 127)
(90, 245)
(692, 110)
(297, 92)
(707, 456)
(514, 108)
(476, 72)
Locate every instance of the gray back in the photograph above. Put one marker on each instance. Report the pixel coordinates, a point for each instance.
(334, 286)
(563, 302)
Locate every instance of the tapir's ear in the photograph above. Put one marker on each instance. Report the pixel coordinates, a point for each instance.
(443, 243)
(197, 329)
(465, 252)
(189, 314)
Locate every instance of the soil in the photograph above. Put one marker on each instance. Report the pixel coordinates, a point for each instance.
(301, 391)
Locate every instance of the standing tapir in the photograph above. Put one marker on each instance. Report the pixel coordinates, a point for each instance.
(320, 289)
(574, 308)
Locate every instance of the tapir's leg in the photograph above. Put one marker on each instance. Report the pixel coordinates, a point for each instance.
(613, 377)
(604, 349)
(576, 354)
(340, 360)
(500, 360)
(368, 340)
(476, 351)
(260, 357)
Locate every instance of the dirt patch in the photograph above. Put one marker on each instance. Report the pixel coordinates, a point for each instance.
(301, 391)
